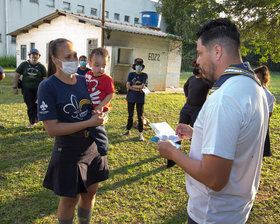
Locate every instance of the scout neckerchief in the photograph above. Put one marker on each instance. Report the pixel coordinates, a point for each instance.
(234, 70)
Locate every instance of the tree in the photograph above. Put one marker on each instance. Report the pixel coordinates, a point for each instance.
(257, 20)
(183, 18)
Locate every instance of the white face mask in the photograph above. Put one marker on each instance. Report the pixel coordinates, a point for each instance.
(69, 67)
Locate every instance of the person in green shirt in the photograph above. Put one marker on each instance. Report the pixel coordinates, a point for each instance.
(32, 72)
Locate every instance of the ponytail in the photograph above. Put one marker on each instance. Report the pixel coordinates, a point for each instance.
(52, 51)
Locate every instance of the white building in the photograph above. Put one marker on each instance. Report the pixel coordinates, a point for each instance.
(124, 42)
(18, 13)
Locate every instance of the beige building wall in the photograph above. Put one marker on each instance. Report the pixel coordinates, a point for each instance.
(174, 64)
(155, 53)
(161, 64)
(61, 27)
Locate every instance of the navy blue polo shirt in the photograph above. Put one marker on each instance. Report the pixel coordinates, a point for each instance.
(65, 103)
(136, 79)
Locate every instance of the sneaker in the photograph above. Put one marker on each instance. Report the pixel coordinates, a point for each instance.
(29, 126)
(141, 138)
(125, 133)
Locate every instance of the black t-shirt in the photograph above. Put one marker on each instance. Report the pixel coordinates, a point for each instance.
(196, 91)
(83, 72)
(32, 74)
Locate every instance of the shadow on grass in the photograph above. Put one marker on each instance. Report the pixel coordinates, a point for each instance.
(132, 179)
(180, 216)
(24, 146)
(36, 205)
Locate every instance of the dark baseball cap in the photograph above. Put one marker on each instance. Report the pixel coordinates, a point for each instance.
(34, 51)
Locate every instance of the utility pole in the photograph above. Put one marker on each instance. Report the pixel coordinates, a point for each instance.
(6, 27)
(102, 23)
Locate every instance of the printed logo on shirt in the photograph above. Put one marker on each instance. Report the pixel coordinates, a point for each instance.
(43, 108)
(32, 72)
(75, 108)
(136, 82)
(94, 96)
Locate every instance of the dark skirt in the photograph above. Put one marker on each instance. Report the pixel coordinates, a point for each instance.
(74, 166)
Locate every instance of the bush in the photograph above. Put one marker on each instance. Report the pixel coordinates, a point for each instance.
(120, 88)
(8, 61)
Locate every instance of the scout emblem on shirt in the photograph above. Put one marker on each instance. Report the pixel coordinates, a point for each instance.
(43, 108)
(75, 108)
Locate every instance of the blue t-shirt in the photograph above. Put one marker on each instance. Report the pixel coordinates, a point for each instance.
(136, 79)
(1, 70)
(83, 72)
(65, 103)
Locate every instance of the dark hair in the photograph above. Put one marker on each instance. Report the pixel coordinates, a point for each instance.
(99, 51)
(196, 69)
(53, 49)
(265, 74)
(82, 57)
(223, 32)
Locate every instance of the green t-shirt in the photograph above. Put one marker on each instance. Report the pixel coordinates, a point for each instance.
(32, 74)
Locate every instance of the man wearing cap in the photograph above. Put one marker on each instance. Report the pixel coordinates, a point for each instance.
(32, 72)
(136, 81)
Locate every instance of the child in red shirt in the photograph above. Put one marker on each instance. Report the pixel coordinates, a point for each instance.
(101, 91)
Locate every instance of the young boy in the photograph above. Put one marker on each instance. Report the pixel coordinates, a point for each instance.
(83, 69)
(101, 91)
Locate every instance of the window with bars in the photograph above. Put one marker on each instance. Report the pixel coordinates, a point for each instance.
(66, 5)
(117, 16)
(32, 45)
(136, 20)
(106, 14)
(80, 9)
(93, 11)
(126, 19)
(23, 52)
(50, 3)
(13, 40)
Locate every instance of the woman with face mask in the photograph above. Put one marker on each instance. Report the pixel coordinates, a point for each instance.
(136, 81)
(65, 108)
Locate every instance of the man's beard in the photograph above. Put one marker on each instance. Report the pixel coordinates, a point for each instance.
(210, 73)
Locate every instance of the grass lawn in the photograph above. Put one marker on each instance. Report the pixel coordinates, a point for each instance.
(140, 188)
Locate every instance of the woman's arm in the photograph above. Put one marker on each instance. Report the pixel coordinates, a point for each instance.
(56, 128)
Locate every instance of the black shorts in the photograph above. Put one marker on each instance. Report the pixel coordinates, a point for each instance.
(74, 166)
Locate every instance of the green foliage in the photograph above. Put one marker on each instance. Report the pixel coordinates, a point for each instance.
(120, 88)
(259, 25)
(140, 188)
(8, 61)
(183, 18)
(258, 22)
